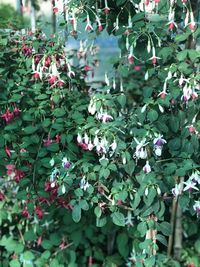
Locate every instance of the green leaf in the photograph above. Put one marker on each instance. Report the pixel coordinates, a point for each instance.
(54, 263)
(182, 55)
(182, 37)
(151, 195)
(14, 263)
(142, 228)
(152, 115)
(76, 213)
(98, 211)
(28, 255)
(130, 167)
(104, 173)
(78, 192)
(197, 245)
(30, 129)
(53, 147)
(122, 100)
(165, 228)
(100, 222)
(122, 244)
(174, 124)
(136, 201)
(118, 218)
(83, 204)
(150, 261)
(161, 239)
(59, 112)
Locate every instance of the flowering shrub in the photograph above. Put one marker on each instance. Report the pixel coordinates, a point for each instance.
(102, 176)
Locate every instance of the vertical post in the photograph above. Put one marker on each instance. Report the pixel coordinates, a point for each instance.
(19, 6)
(53, 18)
(33, 20)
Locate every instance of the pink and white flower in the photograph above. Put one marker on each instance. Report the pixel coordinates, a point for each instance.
(158, 145)
(147, 167)
(196, 207)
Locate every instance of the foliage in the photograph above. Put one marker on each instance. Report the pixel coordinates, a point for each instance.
(9, 19)
(95, 171)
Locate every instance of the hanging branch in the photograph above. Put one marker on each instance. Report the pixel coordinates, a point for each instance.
(172, 222)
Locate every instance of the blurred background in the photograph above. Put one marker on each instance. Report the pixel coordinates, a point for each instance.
(32, 14)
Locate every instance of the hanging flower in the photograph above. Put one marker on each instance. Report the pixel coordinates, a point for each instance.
(84, 184)
(66, 163)
(190, 185)
(158, 145)
(47, 141)
(147, 167)
(88, 26)
(177, 190)
(39, 212)
(104, 117)
(7, 150)
(196, 207)
(141, 152)
(106, 9)
(52, 79)
(2, 196)
(8, 116)
(195, 177)
(55, 9)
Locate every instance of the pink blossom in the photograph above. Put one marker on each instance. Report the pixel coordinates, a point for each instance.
(52, 79)
(47, 141)
(8, 116)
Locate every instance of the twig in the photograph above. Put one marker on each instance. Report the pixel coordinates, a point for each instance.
(66, 246)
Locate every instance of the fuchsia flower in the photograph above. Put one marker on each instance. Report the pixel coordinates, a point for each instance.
(196, 207)
(190, 185)
(2, 196)
(131, 59)
(47, 141)
(36, 76)
(47, 62)
(25, 213)
(18, 175)
(84, 184)
(39, 212)
(57, 140)
(158, 145)
(66, 163)
(177, 190)
(8, 116)
(106, 9)
(147, 167)
(60, 83)
(87, 68)
(162, 94)
(55, 9)
(88, 26)
(16, 111)
(10, 169)
(39, 240)
(7, 150)
(104, 117)
(137, 68)
(52, 79)
(100, 27)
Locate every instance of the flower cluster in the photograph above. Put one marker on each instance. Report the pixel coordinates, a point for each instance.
(14, 173)
(9, 115)
(102, 144)
(141, 150)
(96, 106)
